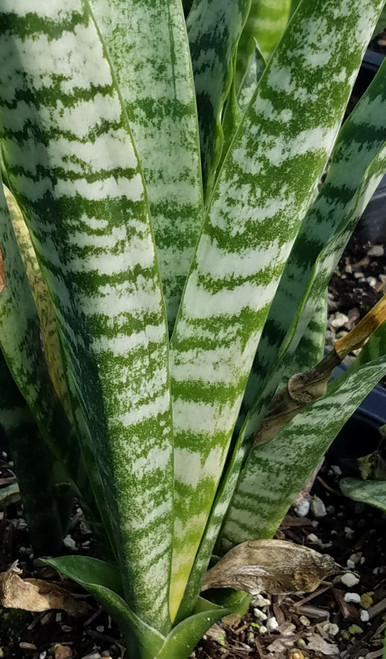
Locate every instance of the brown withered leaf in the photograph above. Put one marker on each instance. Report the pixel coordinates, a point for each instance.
(270, 566)
(38, 595)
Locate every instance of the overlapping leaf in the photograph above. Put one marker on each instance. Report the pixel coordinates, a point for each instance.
(267, 181)
(214, 28)
(76, 177)
(358, 164)
(149, 50)
(257, 508)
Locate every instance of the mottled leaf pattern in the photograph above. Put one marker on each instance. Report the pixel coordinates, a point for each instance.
(266, 23)
(42, 301)
(358, 163)
(214, 28)
(288, 460)
(149, 49)
(371, 492)
(73, 169)
(267, 181)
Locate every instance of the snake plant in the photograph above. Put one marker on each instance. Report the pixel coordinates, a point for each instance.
(167, 234)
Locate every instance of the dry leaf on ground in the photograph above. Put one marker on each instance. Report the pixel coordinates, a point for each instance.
(270, 566)
(38, 595)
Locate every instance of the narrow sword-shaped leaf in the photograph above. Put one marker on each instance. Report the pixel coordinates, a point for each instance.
(337, 208)
(266, 23)
(309, 352)
(42, 301)
(149, 50)
(276, 471)
(267, 181)
(37, 487)
(73, 169)
(214, 28)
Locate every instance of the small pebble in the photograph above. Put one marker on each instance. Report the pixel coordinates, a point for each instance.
(331, 510)
(332, 629)
(27, 646)
(338, 320)
(364, 615)
(349, 532)
(318, 508)
(349, 579)
(260, 615)
(350, 564)
(313, 539)
(336, 470)
(58, 617)
(304, 621)
(261, 601)
(352, 597)
(43, 654)
(69, 542)
(262, 629)
(372, 282)
(302, 507)
(100, 629)
(376, 250)
(272, 624)
(366, 600)
(301, 643)
(355, 558)
(355, 629)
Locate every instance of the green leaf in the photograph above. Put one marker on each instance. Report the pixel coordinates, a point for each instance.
(184, 637)
(266, 23)
(149, 50)
(214, 28)
(276, 472)
(371, 492)
(381, 25)
(252, 76)
(267, 181)
(102, 580)
(357, 166)
(37, 486)
(76, 178)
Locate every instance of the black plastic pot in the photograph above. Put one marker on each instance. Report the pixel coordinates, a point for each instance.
(360, 435)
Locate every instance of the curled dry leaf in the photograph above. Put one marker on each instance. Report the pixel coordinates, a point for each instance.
(38, 595)
(270, 566)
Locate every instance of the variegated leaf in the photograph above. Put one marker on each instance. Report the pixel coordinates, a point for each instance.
(74, 171)
(149, 49)
(357, 166)
(39, 290)
(266, 23)
(276, 471)
(372, 492)
(214, 28)
(267, 181)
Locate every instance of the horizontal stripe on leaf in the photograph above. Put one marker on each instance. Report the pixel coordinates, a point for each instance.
(149, 50)
(268, 179)
(83, 197)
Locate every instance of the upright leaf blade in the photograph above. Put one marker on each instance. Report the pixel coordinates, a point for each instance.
(149, 50)
(267, 181)
(357, 165)
(76, 177)
(286, 461)
(214, 28)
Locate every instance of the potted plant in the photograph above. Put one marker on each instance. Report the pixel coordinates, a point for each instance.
(165, 258)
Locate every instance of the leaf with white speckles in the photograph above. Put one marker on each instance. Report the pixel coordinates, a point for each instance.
(268, 179)
(76, 177)
(291, 456)
(149, 49)
(214, 28)
(358, 164)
